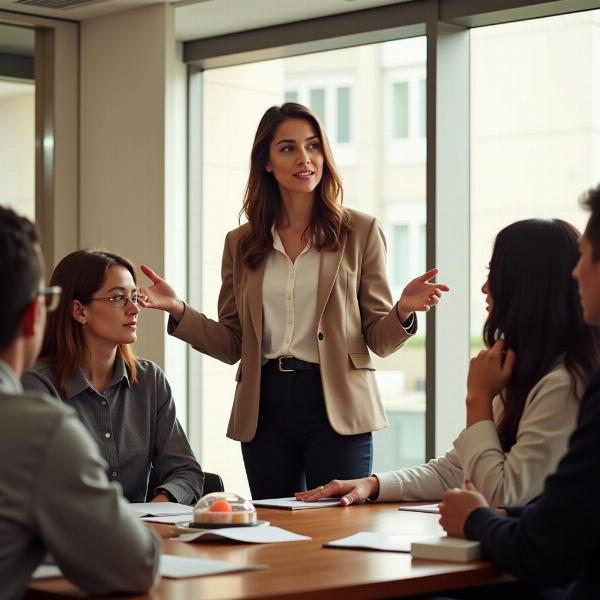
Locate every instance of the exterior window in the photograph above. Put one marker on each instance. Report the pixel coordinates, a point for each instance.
(317, 104)
(343, 115)
(332, 99)
(291, 96)
(400, 110)
(338, 86)
(422, 108)
(408, 258)
(401, 254)
(421, 248)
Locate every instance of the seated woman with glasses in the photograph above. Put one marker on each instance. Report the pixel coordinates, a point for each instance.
(125, 402)
(523, 391)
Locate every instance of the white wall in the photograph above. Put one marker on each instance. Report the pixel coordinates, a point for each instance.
(132, 144)
(17, 151)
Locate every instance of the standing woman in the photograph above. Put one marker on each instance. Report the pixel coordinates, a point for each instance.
(303, 295)
(125, 402)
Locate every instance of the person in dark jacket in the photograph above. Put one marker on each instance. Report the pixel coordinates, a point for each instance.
(554, 542)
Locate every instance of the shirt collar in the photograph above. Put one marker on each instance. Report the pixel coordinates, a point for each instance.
(77, 382)
(278, 244)
(9, 382)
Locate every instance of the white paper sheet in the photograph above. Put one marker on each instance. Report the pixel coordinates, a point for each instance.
(174, 567)
(177, 567)
(160, 509)
(425, 508)
(293, 504)
(46, 572)
(170, 519)
(379, 541)
(267, 534)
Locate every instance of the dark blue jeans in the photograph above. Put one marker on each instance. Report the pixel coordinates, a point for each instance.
(295, 446)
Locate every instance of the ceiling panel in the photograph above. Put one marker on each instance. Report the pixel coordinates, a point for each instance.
(208, 18)
(93, 9)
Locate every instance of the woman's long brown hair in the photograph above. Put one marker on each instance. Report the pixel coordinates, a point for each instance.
(80, 275)
(536, 309)
(261, 207)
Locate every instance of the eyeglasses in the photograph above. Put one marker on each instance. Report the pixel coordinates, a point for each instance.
(51, 297)
(120, 300)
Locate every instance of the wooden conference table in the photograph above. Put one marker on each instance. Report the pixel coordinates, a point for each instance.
(306, 570)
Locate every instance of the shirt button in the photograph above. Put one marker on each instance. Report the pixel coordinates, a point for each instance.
(321, 336)
(107, 435)
(113, 474)
(289, 322)
(103, 402)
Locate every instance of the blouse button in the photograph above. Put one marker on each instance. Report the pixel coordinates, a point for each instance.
(321, 336)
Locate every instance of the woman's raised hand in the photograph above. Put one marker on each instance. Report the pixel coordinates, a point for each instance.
(350, 491)
(160, 295)
(489, 374)
(420, 295)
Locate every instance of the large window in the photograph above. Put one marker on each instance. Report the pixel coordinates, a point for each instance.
(404, 97)
(514, 115)
(336, 86)
(535, 129)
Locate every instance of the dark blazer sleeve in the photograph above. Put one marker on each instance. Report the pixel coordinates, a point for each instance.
(553, 538)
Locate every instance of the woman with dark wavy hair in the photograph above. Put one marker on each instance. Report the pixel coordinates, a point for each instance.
(523, 391)
(303, 296)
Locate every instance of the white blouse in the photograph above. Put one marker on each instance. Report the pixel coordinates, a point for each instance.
(505, 478)
(290, 303)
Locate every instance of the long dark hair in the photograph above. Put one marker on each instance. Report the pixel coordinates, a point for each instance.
(536, 309)
(262, 202)
(80, 275)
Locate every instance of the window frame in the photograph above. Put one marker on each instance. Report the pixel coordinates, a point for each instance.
(446, 24)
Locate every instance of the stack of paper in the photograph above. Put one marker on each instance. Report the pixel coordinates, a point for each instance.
(174, 567)
(425, 508)
(163, 512)
(293, 504)
(266, 534)
(378, 541)
(177, 567)
(447, 548)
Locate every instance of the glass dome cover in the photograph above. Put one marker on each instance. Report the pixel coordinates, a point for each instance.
(224, 509)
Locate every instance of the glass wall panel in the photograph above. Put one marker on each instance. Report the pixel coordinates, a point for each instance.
(351, 90)
(535, 127)
(400, 107)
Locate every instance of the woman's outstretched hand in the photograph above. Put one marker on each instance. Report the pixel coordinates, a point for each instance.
(350, 491)
(420, 295)
(160, 295)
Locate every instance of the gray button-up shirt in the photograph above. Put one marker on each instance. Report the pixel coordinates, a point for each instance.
(54, 496)
(135, 428)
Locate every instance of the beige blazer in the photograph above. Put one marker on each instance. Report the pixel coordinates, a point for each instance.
(355, 312)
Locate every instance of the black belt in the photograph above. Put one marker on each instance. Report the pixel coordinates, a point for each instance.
(289, 364)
